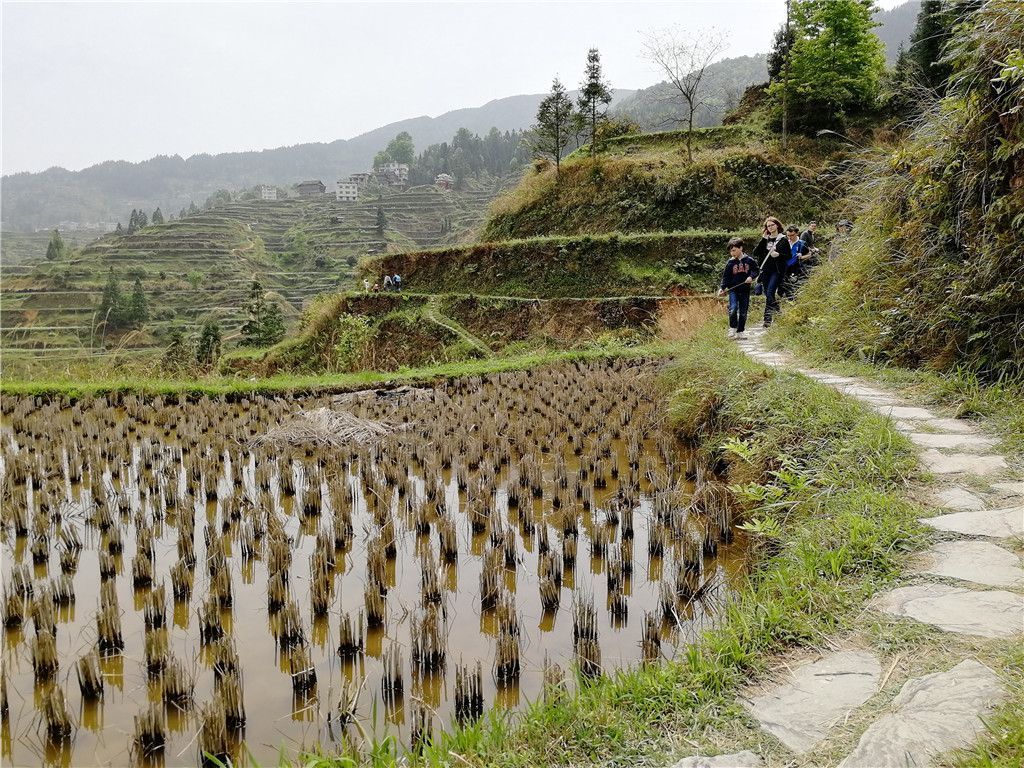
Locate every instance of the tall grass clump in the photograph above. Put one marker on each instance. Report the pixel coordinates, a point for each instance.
(931, 277)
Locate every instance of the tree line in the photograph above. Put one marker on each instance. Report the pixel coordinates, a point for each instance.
(826, 69)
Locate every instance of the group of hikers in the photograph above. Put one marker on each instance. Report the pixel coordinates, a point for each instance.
(779, 263)
(390, 283)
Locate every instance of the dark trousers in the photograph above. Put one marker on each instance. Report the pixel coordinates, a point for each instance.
(772, 284)
(739, 303)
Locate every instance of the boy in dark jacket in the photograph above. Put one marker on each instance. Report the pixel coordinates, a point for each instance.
(740, 272)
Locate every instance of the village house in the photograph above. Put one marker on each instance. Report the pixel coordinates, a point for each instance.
(346, 191)
(267, 192)
(312, 188)
(393, 174)
(444, 181)
(361, 178)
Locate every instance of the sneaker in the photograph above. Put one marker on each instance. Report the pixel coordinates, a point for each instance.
(732, 333)
(740, 335)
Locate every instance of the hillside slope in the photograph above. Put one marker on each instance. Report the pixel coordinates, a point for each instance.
(200, 267)
(645, 182)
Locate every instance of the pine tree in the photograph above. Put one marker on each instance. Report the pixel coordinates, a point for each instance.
(133, 222)
(143, 219)
(553, 129)
(119, 229)
(158, 216)
(137, 311)
(595, 96)
(208, 349)
(55, 248)
(256, 307)
(273, 324)
(933, 30)
(382, 221)
(777, 56)
(111, 306)
(265, 325)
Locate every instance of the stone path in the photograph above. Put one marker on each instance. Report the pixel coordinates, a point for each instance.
(970, 584)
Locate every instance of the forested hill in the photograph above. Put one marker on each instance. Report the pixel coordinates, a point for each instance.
(107, 191)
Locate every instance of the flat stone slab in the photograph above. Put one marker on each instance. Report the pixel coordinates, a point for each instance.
(980, 562)
(930, 715)
(951, 425)
(1014, 489)
(994, 523)
(950, 440)
(956, 497)
(744, 759)
(955, 463)
(910, 412)
(982, 613)
(800, 712)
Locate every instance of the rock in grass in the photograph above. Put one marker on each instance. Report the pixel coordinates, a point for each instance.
(930, 715)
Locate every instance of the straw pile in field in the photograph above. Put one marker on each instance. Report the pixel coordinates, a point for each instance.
(326, 427)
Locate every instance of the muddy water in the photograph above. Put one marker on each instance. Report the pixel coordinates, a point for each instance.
(161, 464)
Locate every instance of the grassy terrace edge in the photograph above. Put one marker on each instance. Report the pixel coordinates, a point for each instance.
(300, 384)
(822, 481)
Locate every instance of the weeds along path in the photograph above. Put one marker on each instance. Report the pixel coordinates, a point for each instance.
(432, 311)
(934, 661)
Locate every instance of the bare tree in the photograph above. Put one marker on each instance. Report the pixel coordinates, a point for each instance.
(683, 57)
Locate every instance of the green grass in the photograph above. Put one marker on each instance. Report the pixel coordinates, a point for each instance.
(961, 390)
(606, 265)
(77, 384)
(646, 183)
(1002, 745)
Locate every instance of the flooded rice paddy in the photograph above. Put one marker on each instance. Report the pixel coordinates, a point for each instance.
(174, 582)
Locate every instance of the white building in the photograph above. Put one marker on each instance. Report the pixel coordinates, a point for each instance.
(267, 192)
(360, 178)
(347, 191)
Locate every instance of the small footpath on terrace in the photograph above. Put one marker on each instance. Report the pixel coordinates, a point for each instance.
(920, 687)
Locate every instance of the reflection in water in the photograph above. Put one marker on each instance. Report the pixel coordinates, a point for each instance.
(504, 511)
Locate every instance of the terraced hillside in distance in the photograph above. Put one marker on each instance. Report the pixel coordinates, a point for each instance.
(22, 247)
(200, 267)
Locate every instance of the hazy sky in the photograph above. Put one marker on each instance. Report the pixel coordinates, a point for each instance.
(86, 82)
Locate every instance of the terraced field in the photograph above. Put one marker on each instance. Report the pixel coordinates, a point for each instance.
(201, 267)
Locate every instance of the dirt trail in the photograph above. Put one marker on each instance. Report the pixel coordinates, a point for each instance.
(432, 311)
(863, 702)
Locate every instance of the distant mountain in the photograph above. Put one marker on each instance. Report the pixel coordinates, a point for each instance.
(108, 191)
(897, 27)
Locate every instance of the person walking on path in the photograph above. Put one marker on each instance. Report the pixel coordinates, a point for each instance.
(772, 253)
(809, 234)
(396, 281)
(798, 266)
(843, 229)
(387, 283)
(739, 274)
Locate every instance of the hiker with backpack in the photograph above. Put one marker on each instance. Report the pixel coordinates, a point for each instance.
(740, 272)
(772, 253)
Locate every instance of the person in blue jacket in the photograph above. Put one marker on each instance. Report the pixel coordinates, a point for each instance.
(740, 272)
(798, 266)
(772, 253)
